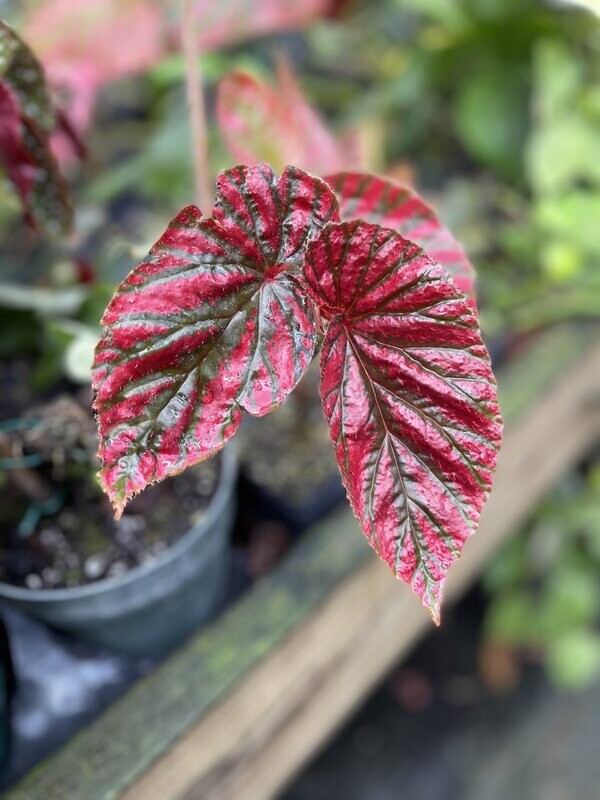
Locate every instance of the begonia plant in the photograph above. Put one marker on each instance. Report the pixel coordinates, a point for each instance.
(226, 313)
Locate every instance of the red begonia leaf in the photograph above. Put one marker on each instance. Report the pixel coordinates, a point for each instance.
(383, 202)
(409, 397)
(85, 44)
(26, 122)
(214, 322)
(261, 122)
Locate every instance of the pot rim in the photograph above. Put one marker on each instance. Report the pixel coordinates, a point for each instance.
(222, 495)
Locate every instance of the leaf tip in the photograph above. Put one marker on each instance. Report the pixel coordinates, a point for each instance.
(116, 494)
(118, 507)
(432, 600)
(429, 591)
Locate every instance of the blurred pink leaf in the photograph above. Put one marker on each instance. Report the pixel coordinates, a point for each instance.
(223, 23)
(276, 123)
(107, 39)
(84, 45)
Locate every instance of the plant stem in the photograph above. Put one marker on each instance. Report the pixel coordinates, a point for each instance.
(195, 97)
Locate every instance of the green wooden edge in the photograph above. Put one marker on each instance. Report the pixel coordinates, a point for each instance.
(119, 746)
(539, 363)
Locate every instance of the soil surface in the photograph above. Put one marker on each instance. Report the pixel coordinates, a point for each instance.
(82, 543)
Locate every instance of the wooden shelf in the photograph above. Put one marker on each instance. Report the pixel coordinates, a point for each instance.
(237, 711)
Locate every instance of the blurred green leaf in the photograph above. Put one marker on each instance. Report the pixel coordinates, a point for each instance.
(562, 154)
(574, 659)
(93, 306)
(570, 599)
(509, 570)
(511, 618)
(557, 77)
(561, 261)
(491, 117)
(572, 217)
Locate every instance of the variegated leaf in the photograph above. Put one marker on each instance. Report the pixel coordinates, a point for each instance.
(23, 73)
(213, 323)
(26, 122)
(409, 396)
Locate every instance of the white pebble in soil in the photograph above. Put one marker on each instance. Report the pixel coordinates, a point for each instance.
(117, 569)
(50, 576)
(33, 581)
(94, 567)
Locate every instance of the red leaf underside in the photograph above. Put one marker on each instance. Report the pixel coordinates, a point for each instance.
(19, 166)
(212, 324)
(32, 169)
(383, 202)
(409, 397)
(48, 205)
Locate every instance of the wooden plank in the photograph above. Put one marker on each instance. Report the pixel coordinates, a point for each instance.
(240, 708)
(254, 743)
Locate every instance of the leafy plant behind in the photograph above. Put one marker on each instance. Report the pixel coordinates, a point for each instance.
(543, 584)
(87, 45)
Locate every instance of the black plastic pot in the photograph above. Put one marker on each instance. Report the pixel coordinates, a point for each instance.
(7, 685)
(154, 606)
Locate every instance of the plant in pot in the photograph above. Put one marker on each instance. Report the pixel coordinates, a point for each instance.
(224, 316)
(139, 585)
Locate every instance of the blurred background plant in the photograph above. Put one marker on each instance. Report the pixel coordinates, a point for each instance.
(490, 107)
(543, 587)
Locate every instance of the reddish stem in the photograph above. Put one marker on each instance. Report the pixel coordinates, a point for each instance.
(195, 97)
